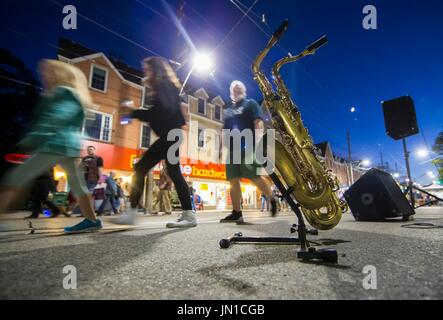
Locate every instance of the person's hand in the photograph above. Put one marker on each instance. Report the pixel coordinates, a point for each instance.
(126, 111)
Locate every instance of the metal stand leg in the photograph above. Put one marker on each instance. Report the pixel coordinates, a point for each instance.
(412, 188)
(306, 253)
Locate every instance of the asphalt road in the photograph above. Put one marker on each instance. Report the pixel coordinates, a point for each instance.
(152, 262)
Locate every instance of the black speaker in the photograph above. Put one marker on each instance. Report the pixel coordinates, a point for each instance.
(376, 196)
(400, 118)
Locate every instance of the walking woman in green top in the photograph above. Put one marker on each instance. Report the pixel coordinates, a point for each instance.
(55, 138)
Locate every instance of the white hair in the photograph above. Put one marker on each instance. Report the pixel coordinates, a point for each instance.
(237, 83)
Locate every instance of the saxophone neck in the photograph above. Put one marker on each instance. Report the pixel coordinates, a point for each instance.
(259, 76)
(276, 71)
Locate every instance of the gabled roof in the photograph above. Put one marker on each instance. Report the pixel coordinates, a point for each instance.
(72, 51)
(323, 147)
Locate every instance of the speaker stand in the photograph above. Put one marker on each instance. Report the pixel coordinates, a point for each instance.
(408, 172)
(412, 188)
(306, 252)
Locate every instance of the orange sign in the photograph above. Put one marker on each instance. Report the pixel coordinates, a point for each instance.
(114, 157)
(121, 158)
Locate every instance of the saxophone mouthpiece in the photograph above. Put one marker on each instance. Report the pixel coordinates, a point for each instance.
(317, 44)
(281, 30)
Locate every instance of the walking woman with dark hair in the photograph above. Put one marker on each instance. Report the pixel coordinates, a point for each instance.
(163, 116)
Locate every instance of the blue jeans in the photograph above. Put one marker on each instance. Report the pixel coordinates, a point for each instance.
(264, 202)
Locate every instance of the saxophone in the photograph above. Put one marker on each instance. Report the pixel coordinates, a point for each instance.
(299, 168)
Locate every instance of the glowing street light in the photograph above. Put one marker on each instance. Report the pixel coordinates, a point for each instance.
(203, 63)
(366, 163)
(396, 175)
(422, 153)
(353, 109)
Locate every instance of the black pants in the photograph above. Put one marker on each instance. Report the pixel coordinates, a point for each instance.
(38, 201)
(157, 152)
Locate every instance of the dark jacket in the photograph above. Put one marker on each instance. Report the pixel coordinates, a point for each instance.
(43, 185)
(165, 113)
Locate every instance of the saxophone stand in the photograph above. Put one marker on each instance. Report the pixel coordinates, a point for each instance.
(306, 252)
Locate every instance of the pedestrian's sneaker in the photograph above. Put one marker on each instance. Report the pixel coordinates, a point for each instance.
(85, 226)
(186, 220)
(128, 218)
(235, 216)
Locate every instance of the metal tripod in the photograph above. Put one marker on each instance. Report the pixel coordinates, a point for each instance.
(306, 252)
(410, 189)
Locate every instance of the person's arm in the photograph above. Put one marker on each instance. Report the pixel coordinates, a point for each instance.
(142, 115)
(259, 124)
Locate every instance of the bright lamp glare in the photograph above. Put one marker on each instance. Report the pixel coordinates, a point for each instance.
(203, 63)
(422, 153)
(366, 163)
(396, 175)
(353, 109)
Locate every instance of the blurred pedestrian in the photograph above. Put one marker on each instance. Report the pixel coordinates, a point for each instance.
(43, 185)
(192, 194)
(56, 138)
(264, 202)
(93, 167)
(110, 195)
(165, 186)
(120, 198)
(243, 114)
(164, 115)
(155, 207)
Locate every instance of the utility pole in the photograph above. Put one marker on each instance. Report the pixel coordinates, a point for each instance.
(382, 165)
(351, 173)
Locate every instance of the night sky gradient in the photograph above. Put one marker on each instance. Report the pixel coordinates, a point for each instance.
(357, 68)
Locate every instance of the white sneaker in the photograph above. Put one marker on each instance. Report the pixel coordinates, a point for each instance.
(186, 220)
(128, 218)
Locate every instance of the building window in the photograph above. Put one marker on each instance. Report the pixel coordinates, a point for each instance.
(201, 138)
(98, 78)
(201, 106)
(145, 140)
(98, 126)
(217, 113)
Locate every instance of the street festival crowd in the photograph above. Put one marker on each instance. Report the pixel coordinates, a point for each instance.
(56, 139)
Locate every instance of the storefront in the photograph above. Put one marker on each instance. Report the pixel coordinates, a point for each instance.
(210, 185)
(117, 159)
(207, 179)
